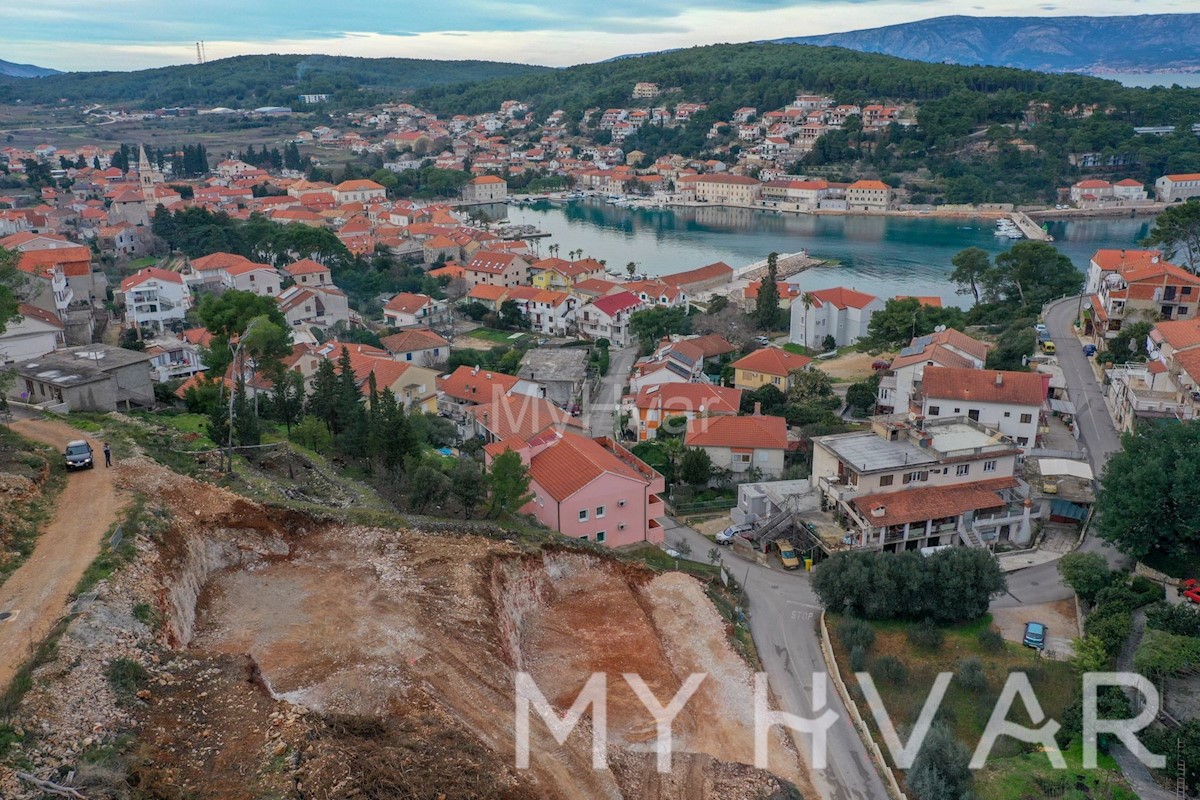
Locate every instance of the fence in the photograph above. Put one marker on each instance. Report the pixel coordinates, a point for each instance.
(721, 504)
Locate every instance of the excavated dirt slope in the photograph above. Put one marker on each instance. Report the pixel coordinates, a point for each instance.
(333, 661)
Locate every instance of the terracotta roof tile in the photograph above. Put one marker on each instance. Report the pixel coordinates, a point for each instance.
(573, 462)
(413, 339)
(476, 385)
(751, 432)
(691, 397)
(772, 361)
(935, 502)
(984, 386)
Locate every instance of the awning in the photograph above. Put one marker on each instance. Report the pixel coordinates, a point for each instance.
(1067, 509)
(1062, 406)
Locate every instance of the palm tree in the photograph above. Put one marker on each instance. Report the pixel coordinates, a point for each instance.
(631, 268)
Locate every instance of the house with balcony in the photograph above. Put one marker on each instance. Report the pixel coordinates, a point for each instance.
(607, 317)
(410, 310)
(1167, 386)
(768, 366)
(905, 484)
(841, 313)
(752, 445)
(472, 386)
(1136, 285)
(261, 279)
(589, 488)
(172, 358)
(155, 298)
(548, 311)
(1010, 402)
(316, 306)
(653, 405)
(417, 346)
(948, 348)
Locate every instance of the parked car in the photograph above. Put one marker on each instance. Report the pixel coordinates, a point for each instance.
(79, 455)
(1192, 596)
(1048, 348)
(1089, 350)
(1035, 635)
(726, 536)
(762, 340)
(1041, 328)
(787, 554)
(880, 363)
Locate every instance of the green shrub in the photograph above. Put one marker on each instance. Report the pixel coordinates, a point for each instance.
(126, 676)
(1111, 624)
(990, 640)
(858, 658)
(1147, 590)
(856, 633)
(970, 674)
(891, 669)
(1179, 620)
(926, 636)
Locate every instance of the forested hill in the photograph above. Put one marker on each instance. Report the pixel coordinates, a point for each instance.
(767, 76)
(1140, 43)
(252, 81)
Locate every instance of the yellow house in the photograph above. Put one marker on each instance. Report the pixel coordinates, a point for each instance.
(560, 275)
(768, 366)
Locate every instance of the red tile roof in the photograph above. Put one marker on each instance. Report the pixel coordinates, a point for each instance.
(521, 416)
(612, 304)
(476, 385)
(925, 300)
(413, 339)
(984, 386)
(305, 266)
(40, 314)
(1180, 333)
(712, 345)
(710, 272)
(772, 361)
(149, 274)
(217, 261)
(692, 397)
(841, 297)
(1121, 260)
(75, 261)
(573, 462)
(491, 261)
(760, 432)
(934, 502)
(408, 303)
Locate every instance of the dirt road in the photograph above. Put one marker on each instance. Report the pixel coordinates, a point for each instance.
(38, 591)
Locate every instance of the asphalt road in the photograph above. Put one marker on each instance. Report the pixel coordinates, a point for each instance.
(783, 612)
(602, 410)
(1041, 584)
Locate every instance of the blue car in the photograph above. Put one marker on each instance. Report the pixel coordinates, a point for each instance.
(1089, 350)
(1035, 635)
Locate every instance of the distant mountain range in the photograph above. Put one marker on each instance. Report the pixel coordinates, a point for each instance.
(1144, 43)
(25, 70)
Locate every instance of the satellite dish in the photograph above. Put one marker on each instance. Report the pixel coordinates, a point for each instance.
(939, 329)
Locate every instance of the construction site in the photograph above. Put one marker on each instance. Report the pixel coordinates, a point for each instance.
(244, 650)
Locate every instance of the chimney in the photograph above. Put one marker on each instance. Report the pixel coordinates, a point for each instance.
(999, 378)
(757, 408)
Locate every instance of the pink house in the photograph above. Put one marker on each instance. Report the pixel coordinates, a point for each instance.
(589, 488)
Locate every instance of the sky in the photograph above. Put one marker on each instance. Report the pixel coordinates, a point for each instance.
(135, 34)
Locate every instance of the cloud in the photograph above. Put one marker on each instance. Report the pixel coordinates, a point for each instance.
(132, 34)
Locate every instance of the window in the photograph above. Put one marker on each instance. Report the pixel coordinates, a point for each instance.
(584, 537)
(989, 466)
(1026, 419)
(741, 458)
(583, 516)
(910, 477)
(600, 512)
(600, 536)
(1022, 441)
(408, 356)
(886, 480)
(973, 414)
(935, 410)
(1007, 413)
(963, 469)
(958, 411)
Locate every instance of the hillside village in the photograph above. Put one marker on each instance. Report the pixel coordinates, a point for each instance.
(409, 355)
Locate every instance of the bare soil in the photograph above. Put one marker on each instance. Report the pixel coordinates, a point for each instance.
(851, 367)
(39, 590)
(1058, 617)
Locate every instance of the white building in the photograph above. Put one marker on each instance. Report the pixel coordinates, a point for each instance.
(407, 310)
(841, 313)
(154, 298)
(1010, 402)
(32, 334)
(948, 348)
(1174, 188)
(260, 279)
(608, 318)
(358, 191)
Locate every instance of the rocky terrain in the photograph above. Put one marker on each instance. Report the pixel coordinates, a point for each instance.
(251, 652)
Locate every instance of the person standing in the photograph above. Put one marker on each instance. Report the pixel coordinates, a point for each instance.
(107, 455)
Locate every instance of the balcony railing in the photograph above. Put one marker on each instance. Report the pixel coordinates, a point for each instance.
(841, 492)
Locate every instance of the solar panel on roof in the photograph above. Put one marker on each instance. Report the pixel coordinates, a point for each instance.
(911, 350)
